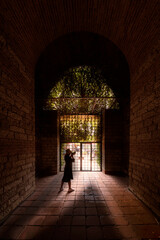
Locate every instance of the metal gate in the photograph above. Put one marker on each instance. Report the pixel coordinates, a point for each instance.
(82, 134)
(87, 157)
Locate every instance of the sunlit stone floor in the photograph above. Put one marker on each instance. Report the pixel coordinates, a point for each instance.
(101, 207)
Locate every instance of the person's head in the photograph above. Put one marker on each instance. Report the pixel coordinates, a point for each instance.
(68, 151)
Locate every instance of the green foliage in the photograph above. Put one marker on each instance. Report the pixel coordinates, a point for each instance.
(80, 128)
(85, 91)
(98, 159)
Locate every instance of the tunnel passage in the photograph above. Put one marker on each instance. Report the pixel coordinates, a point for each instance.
(68, 52)
(27, 29)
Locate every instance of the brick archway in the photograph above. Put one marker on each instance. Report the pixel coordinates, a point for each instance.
(92, 49)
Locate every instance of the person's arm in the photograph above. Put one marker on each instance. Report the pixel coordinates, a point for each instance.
(72, 158)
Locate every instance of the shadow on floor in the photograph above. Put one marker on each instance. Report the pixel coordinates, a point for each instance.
(101, 207)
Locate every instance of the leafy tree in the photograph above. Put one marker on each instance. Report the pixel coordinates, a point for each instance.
(81, 89)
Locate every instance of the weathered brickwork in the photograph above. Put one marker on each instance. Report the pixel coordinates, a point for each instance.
(17, 151)
(113, 141)
(145, 131)
(47, 143)
(29, 27)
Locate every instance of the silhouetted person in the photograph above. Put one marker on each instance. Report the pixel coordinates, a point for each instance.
(68, 170)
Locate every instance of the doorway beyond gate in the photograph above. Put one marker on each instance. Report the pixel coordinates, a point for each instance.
(87, 157)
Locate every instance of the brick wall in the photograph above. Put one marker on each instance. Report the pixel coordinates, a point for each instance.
(113, 141)
(144, 169)
(125, 127)
(17, 140)
(103, 140)
(47, 143)
(132, 25)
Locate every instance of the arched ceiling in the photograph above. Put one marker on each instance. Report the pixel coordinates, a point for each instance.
(30, 26)
(77, 49)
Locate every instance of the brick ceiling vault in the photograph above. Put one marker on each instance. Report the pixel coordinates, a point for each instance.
(29, 26)
(79, 49)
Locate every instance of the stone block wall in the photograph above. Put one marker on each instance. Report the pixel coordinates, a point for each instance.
(144, 167)
(17, 131)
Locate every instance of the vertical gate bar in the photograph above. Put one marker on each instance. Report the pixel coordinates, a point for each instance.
(91, 156)
(80, 156)
(60, 156)
(61, 120)
(95, 129)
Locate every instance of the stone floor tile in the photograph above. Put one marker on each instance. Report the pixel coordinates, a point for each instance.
(99, 198)
(79, 211)
(27, 203)
(32, 198)
(48, 215)
(10, 232)
(79, 198)
(52, 204)
(20, 210)
(18, 220)
(100, 203)
(141, 219)
(92, 220)
(94, 233)
(46, 232)
(127, 231)
(46, 198)
(36, 220)
(120, 220)
(60, 198)
(37, 204)
(111, 232)
(79, 203)
(145, 231)
(49, 211)
(107, 196)
(78, 220)
(27, 210)
(115, 210)
(67, 211)
(134, 210)
(88, 192)
(62, 233)
(80, 186)
(79, 191)
(65, 220)
(111, 203)
(30, 232)
(90, 203)
(50, 220)
(78, 233)
(107, 220)
(72, 198)
(91, 211)
(129, 203)
(101, 211)
(89, 198)
(97, 193)
(68, 204)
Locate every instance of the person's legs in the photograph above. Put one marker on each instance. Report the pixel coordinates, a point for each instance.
(69, 187)
(61, 188)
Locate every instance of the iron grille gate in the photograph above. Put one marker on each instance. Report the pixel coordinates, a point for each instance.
(81, 133)
(87, 157)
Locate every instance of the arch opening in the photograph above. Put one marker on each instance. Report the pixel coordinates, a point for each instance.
(84, 73)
